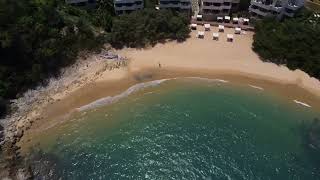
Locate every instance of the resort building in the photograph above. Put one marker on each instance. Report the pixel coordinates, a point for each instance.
(279, 8)
(89, 3)
(179, 5)
(211, 9)
(127, 6)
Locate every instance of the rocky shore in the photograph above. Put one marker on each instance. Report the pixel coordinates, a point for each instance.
(28, 108)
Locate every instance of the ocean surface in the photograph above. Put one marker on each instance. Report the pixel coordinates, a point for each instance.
(181, 129)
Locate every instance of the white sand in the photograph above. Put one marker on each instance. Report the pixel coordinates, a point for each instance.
(207, 54)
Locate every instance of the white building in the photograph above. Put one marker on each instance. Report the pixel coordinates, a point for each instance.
(180, 5)
(211, 9)
(279, 8)
(127, 6)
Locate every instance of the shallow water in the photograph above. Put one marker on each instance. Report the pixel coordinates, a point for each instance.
(184, 129)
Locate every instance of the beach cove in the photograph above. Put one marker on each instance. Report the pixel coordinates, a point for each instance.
(233, 62)
(204, 58)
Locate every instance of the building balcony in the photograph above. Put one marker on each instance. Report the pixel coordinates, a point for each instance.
(125, 1)
(226, 7)
(261, 5)
(292, 7)
(289, 12)
(174, 1)
(185, 6)
(169, 1)
(276, 9)
(169, 5)
(212, 12)
(214, 1)
(257, 11)
(212, 7)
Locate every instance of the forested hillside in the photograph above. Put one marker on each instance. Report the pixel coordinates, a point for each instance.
(38, 37)
(294, 42)
(147, 27)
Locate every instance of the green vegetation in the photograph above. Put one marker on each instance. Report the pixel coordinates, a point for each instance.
(150, 4)
(38, 37)
(147, 27)
(295, 42)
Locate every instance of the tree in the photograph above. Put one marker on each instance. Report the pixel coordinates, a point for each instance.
(37, 38)
(147, 27)
(293, 42)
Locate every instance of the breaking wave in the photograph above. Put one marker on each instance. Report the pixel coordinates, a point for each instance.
(112, 99)
(135, 88)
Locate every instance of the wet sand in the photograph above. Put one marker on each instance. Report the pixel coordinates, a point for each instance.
(232, 61)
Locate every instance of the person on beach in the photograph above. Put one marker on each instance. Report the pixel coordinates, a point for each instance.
(159, 65)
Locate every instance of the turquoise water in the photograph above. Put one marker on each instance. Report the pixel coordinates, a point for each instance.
(184, 129)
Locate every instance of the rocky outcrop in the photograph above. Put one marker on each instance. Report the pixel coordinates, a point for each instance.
(12, 165)
(1, 136)
(29, 106)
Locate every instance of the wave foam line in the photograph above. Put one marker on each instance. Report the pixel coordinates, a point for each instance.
(112, 99)
(256, 87)
(210, 80)
(302, 103)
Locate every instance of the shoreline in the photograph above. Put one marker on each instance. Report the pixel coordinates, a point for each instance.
(203, 58)
(58, 112)
(93, 78)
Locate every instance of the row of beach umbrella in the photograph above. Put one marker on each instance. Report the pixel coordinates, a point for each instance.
(215, 36)
(227, 19)
(207, 27)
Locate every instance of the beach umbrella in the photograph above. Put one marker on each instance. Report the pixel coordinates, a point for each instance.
(235, 20)
(215, 36)
(227, 18)
(237, 30)
(245, 21)
(207, 27)
(229, 37)
(200, 34)
(194, 26)
(221, 28)
(199, 17)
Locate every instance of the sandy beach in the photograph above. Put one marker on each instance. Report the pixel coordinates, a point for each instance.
(233, 61)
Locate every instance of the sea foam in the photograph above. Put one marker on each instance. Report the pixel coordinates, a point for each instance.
(301, 103)
(256, 87)
(208, 79)
(112, 99)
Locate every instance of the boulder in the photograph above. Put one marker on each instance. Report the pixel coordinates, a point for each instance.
(19, 133)
(23, 174)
